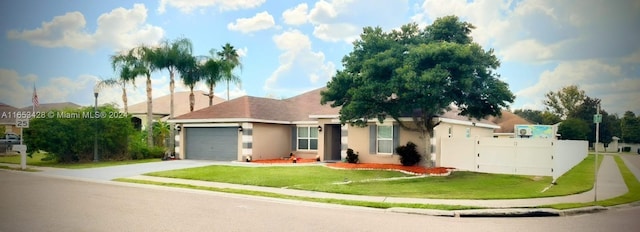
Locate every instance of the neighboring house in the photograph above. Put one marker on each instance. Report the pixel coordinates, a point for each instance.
(44, 107)
(266, 128)
(507, 122)
(8, 119)
(162, 106)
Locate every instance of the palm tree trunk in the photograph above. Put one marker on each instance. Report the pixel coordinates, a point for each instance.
(227, 90)
(124, 99)
(211, 95)
(192, 99)
(149, 113)
(171, 125)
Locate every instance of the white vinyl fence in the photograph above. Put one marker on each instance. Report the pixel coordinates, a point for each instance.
(540, 157)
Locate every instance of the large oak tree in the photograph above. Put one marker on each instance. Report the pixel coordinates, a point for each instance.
(418, 73)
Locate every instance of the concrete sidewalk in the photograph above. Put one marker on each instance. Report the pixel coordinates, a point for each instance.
(610, 185)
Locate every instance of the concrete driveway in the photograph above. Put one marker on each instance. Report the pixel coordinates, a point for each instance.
(121, 171)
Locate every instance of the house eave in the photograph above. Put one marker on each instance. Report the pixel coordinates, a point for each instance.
(324, 116)
(469, 123)
(226, 120)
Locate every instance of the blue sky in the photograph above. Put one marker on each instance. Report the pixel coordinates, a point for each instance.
(289, 47)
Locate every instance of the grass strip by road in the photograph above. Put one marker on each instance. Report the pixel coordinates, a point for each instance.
(37, 160)
(18, 168)
(458, 185)
(379, 205)
(632, 196)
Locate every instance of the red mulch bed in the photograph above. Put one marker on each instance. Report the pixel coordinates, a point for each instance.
(410, 169)
(419, 170)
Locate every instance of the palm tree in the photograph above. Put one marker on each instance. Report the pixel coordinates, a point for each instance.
(191, 74)
(211, 73)
(128, 73)
(143, 56)
(170, 55)
(134, 63)
(160, 132)
(121, 82)
(231, 60)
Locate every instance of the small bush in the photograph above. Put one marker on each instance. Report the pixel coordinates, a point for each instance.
(155, 152)
(409, 156)
(351, 156)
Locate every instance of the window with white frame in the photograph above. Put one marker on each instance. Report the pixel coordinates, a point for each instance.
(307, 138)
(384, 140)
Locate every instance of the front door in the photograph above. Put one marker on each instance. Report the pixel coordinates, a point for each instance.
(333, 145)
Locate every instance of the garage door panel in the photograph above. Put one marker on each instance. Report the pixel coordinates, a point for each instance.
(218, 143)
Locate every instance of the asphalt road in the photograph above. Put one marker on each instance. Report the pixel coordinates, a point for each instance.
(32, 202)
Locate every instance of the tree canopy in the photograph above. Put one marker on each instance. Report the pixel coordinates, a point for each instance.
(564, 102)
(630, 125)
(418, 73)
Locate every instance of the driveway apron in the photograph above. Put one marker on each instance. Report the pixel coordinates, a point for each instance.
(121, 171)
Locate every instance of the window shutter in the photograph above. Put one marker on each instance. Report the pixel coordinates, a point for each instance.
(294, 138)
(396, 137)
(372, 138)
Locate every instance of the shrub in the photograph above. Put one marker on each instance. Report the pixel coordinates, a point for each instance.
(69, 135)
(409, 156)
(351, 156)
(155, 152)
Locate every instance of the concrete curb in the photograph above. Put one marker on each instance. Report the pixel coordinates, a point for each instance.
(502, 212)
(583, 210)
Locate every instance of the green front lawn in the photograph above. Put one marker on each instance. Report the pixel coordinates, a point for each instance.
(36, 160)
(459, 185)
(292, 177)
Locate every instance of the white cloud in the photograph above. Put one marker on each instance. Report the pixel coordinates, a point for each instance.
(299, 64)
(243, 52)
(297, 15)
(17, 90)
(608, 82)
(186, 6)
(526, 50)
(336, 32)
(261, 21)
(569, 30)
(342, 20)
(323, 11)
(119, 29)
(13, 91)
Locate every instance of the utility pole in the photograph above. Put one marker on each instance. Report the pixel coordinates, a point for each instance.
(597, 118)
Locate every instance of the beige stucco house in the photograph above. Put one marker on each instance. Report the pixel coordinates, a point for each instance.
(266, 128)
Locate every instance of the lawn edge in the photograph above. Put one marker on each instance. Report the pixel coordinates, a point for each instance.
(369, 204)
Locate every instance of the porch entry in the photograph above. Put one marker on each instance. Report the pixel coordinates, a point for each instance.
(332, 142)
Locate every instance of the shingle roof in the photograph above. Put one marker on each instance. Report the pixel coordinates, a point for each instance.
(309, 104)
(43, 107)
(297, 108)
(7, 109)
(162, 105)
(507, 121)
